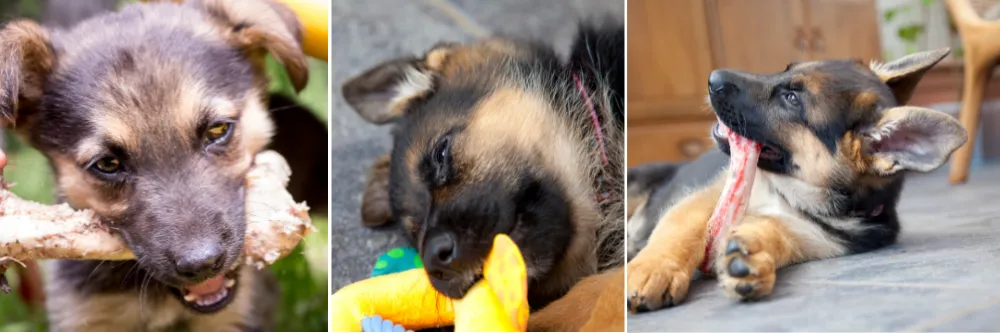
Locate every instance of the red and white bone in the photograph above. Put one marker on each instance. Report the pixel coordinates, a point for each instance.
(732, 205)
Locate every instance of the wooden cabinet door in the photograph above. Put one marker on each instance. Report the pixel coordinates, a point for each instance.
(844, 29)
(760, 36)
(668, 59)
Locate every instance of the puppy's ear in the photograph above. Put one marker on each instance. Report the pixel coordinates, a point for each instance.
(912, 138)
(382, 93)
(26, 60)
(263, 25)
(903, 74)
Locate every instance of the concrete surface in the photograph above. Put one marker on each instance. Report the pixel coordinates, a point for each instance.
(365, 33)
(942, 275)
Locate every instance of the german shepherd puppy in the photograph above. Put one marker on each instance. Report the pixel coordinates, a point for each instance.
(151, 117)
(837, 142)
(501, 136)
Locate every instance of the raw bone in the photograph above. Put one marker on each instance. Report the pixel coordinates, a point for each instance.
(732, 205)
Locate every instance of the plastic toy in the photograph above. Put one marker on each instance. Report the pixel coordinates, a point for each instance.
(497, 303)
(397, 260)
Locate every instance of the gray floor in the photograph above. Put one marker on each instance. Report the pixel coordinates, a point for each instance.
(942, 275)
(366, 33)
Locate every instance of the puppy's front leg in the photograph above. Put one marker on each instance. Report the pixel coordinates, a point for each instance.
(757, 247)
(661, 273)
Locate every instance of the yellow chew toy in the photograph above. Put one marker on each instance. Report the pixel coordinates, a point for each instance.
(497, 303)
(314, 16)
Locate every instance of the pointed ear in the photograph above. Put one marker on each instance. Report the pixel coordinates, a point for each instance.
(912, 138)
(903, 74)
(258, 26)
(26, 60)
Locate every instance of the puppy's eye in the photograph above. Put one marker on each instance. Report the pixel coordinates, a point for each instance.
(441, 166)
(791, 99)
(218, 133)
(442, 152)
(108, 165)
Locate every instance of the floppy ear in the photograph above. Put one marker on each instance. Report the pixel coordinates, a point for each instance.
(382, 93)
(903, 74)
(913, 138)
(26, 60)
(263, 25)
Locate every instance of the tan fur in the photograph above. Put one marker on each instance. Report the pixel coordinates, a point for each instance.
(768, 245)
(661, 273)
(375, 210)
(822, 168)
(109, 312)
(24, 42)
(143, 101)
(260, 26)
(521, 124)
(435, 59)
(581, 311)
(786, 213)
(82, 191)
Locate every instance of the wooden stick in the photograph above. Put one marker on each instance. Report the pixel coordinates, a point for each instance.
(31, 231)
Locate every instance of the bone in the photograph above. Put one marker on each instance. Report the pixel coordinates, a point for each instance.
(732, 205)
(33, 231)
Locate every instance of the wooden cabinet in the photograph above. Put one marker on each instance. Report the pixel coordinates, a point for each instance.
(674, 44)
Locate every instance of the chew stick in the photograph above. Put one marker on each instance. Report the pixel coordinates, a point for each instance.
(732, 205)
(31, 231)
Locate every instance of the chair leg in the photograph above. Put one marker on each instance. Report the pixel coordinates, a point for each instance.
(977, 74)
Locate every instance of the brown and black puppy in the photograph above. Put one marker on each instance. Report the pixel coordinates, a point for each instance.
(837, 142)
(151, 117)
(502, 136)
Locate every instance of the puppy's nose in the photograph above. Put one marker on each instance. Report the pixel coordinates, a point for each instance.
(441, 249)
(203, 262)
(718, 84)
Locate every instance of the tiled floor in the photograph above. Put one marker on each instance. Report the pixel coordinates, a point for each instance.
(942, 275)
(366, 33)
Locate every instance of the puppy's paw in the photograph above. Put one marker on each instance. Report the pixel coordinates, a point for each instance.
(654, 284)
(747, 272)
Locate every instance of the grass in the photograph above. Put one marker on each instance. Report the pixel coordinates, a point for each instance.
(302, 275)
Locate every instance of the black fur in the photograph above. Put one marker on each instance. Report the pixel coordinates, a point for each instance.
(452, 216)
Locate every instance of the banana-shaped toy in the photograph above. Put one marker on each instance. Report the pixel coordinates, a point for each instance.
(497, 303)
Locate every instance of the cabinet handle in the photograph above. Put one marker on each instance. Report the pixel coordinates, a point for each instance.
(801, 42)
(818, 42)
(692, 147)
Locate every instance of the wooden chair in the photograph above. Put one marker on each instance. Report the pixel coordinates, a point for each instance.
(981, 46)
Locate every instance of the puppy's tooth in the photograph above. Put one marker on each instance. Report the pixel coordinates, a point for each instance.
(230, 283)
(190, 297)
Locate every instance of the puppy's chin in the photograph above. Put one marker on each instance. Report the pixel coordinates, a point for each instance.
(456, 285)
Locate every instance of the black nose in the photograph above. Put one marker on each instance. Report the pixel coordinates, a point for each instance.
(203, 262)
(440, 249)
(718, 84)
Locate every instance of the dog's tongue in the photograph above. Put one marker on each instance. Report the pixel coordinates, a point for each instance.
(743, 154)
(207, 287)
